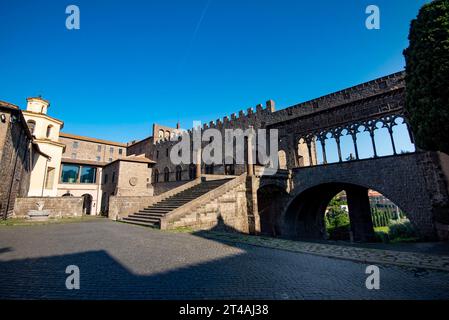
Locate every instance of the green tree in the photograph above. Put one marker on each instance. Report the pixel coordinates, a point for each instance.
(427, 76)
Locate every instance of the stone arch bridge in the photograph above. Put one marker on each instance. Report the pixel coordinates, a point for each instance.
(292, 203)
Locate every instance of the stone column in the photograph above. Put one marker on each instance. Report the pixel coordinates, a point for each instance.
(360, 214)
(390, 131)
(323, 147)
(252, 206)
(250, 161)
(309, 148)
(339, 149)
(198, 163)
(356, 149)
(371, 133)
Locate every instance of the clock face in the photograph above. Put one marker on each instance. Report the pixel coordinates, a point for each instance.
(133, 181)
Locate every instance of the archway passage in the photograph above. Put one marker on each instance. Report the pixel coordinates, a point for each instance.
(87, 204)
(270, 200)
(304, 217)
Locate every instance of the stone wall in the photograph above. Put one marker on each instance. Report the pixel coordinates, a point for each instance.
(120, 207)
(16, 152)
(134, 179)
(141, 147)
(57, 206)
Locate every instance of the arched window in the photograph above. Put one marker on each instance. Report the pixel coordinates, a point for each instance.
(49, 131)
(282, 160)
(31, 125)
(192, 171)
(178, 173)
(166, 175)
(161, 134)
(156, 176)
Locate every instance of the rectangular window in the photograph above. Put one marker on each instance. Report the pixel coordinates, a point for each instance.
(120, 151)
(110, 159)
(99, 148)
(111, 150)
(50, 178)
(106, 178)
(73, 155)
(88, 174)
(75, 144)
(69, 173)
(98, 159)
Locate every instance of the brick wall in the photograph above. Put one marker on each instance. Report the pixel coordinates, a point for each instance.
(57, 206)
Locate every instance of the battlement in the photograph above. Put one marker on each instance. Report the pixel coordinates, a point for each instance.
(265, 115)
(243, 117)
(361, 91)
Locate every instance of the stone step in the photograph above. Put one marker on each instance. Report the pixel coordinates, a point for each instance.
(174, 201)
(153, 209)
(167, 206)
(151, 215)
(133, 217)
(140, 223)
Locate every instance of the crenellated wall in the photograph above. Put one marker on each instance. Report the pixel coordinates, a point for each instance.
(263, 116)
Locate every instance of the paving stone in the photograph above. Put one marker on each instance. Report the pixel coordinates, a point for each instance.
(121, 261)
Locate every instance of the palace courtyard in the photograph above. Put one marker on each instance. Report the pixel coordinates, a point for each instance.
(122, 261)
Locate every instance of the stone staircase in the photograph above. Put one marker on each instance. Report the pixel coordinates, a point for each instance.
(151, 216)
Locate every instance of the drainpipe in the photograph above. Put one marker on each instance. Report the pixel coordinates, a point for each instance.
(250, 162)
(45, 176)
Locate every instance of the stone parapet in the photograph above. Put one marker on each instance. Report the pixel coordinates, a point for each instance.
(56, 207)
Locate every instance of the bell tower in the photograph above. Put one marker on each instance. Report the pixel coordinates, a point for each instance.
(37, 105)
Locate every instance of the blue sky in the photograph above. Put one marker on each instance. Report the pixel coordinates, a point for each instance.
(134, 62)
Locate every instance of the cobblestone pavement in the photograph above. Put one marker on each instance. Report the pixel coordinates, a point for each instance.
(365, 255)
(120, 261)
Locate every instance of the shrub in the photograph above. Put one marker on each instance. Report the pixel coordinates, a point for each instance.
(337, 224)
(402, 230)
(381, 236)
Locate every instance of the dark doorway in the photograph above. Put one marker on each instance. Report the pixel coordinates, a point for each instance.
(270, 200)
(87, 203)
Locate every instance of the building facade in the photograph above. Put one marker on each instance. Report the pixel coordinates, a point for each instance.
(45, 130)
